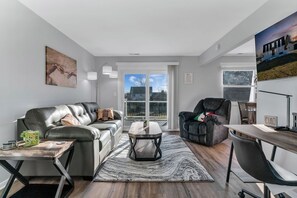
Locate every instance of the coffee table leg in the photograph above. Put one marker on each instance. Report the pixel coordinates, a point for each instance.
(158, 150)
(14, 171)
(64, 172)
(133, 144)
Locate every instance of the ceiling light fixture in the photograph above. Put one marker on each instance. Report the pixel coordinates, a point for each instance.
(106, 70)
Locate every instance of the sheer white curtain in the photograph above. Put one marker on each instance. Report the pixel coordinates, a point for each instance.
(172, 104)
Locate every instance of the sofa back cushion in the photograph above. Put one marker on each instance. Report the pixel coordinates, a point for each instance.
(80, 113)
(43, 119)
(91, 108)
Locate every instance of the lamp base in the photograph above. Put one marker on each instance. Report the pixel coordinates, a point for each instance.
(282, 128)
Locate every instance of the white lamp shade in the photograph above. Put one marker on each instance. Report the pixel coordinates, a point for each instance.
(106, 70)
(113, 74)
(92, 76)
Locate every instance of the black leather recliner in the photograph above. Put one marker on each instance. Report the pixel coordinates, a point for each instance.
(210, 131)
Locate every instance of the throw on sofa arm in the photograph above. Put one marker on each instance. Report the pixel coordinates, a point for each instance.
(80, 133)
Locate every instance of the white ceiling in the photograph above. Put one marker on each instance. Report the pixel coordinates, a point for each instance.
(148, 27)
(247, 49)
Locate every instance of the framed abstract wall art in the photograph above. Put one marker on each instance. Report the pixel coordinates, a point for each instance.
(61, 70)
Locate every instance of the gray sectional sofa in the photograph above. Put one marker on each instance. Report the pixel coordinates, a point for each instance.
(94, 139)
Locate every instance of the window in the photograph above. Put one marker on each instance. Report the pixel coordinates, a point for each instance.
(145, 97)
(238, 85)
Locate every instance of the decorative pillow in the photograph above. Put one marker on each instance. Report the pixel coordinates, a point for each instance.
(201, 116)
(69, 120)
(105, 114)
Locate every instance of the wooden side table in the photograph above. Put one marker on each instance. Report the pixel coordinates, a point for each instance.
(46, 150)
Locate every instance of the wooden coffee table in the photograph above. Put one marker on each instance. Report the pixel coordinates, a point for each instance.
(145, 142)
(45, 150)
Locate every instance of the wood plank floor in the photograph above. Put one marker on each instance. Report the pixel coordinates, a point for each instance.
(214, 159)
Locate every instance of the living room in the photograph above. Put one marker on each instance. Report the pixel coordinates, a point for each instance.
(29, 26)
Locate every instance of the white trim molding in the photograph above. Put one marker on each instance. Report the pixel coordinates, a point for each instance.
(239, 65)
(144, 65)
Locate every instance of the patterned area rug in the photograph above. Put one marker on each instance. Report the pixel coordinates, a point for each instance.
(178, 164)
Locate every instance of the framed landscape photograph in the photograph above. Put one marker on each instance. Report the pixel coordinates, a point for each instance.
(276, 50)
(61, 70)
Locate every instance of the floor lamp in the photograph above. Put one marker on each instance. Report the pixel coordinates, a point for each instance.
(93, 76)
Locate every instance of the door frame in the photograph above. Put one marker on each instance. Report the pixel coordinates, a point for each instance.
(139, 68)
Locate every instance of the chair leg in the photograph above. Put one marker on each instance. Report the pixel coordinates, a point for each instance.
(281, 195)
(242, 193)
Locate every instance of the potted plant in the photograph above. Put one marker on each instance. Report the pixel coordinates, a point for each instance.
(30, 138)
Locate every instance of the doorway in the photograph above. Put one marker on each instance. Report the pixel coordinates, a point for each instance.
(145, 97)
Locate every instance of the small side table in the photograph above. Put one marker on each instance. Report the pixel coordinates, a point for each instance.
(46, 150)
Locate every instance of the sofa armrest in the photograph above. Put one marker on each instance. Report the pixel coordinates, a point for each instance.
(118, 115)
(185, 115)
(80, 133)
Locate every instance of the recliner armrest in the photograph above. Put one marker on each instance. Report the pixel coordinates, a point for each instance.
(185, 115)
(81, 133)
(216, 119)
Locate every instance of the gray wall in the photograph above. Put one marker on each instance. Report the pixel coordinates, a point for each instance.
(268, 104)
(206, 80)
(23, 38)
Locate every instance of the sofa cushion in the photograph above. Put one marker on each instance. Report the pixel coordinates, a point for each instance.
(105, 114)
(69, 120)
(80, 113)
(105, 126)
(91, 108)
(104, 138)
(43, 119)
(118, 123)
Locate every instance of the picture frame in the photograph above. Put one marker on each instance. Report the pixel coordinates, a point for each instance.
(61, 70)
(276, 50)
(188, 78)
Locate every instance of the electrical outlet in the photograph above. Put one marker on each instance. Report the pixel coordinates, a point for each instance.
(271, 121)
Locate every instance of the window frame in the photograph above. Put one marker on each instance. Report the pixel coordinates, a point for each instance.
(253, 83)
